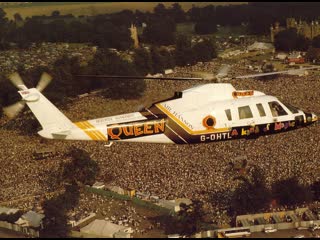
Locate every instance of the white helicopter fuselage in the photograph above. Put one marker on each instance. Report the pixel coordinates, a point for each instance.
(206, 113)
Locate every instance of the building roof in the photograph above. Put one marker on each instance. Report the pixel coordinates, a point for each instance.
(294, 55)
(31, 219)
(8, 211)
(103, 228)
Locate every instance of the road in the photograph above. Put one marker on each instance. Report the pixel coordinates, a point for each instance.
(290, 233)
(5, 233)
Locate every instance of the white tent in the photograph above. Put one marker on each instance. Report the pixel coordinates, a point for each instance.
(105, 229)
(257, 46)
(31, 219)
(8, 211)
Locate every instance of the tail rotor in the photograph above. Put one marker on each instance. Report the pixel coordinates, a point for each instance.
(13, 110)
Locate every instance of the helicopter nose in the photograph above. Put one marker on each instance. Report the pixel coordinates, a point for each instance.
(314, 117)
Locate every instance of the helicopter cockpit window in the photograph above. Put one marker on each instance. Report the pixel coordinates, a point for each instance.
(276, 109)
(228, 113)
(291, 108)
(245, 112)
(261, 110)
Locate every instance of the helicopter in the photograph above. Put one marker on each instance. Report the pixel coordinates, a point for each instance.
(209, 112)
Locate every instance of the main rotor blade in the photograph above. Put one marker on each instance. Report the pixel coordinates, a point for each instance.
(141, 77)
(204, 75)
(17, 81)
(14, 109)
(290, 71)
(44, 81)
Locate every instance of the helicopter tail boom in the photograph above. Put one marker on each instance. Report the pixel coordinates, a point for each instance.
(53, 121)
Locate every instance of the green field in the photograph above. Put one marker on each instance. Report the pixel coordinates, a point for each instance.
(91, 8)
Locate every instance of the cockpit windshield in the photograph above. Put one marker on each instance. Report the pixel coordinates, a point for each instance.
(276, 109)
(291, 108)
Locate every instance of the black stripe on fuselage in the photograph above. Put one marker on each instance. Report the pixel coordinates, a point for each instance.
(154, 112)
(234, 133)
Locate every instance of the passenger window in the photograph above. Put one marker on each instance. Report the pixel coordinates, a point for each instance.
(261, 110)
(245, 112)
(228, 113)
(276, 109)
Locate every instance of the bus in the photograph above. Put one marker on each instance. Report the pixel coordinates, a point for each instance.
(234, 232)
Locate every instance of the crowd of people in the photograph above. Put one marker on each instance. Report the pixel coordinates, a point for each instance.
(44, 54)
(198, 172)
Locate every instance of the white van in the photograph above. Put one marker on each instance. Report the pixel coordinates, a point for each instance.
(270, 230)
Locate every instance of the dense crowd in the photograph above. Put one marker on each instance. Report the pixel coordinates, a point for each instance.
(198, 172)
(44, 54)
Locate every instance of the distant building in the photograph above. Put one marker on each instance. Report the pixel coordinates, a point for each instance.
(134, 35)
(98, 185)
(174, 205)
(301, 217)
(309, 30)
(281, 56)
(295, 57)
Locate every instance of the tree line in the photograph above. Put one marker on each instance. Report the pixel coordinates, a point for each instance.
(111, 30)
(290, 39)
(67, 84)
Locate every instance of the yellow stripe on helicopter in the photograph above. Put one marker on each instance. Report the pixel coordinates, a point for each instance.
(91, 131)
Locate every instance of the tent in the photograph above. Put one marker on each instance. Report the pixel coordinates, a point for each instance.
(104, 228)
(258, 46)
(31, 219)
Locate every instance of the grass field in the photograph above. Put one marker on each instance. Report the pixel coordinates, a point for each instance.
(92, 8)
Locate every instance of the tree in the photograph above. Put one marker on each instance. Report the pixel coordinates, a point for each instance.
(252, 195)
(57, 31)
(260, 22)
(82, 169)
(177, 13)
(1, 108)
(123, 18)
(316, 42)
(17, 17)
(190, 218)
(159, 31)
(289, 40)
(204, 51)
(158, 60)
(55, 13)
(291, 192)
(64, 83)
(160, 10)
(313, 54)
(55, 222)
(302, 43)
(110, 63)
(184, 53)
(168, 57)
(205, 27)
(8, 93)
(107, 35)
(4, 28)
(143, 61)
(315, 188)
